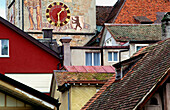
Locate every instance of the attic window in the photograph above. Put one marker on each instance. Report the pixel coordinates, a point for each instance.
(139, 46)
(4, 48)
(142, 19)
(153, 101)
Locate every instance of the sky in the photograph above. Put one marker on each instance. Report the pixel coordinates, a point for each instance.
(2, 8)
(98, 3)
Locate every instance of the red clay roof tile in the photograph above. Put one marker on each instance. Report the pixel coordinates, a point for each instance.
(80, 69)
(90, 69)
(147, 8)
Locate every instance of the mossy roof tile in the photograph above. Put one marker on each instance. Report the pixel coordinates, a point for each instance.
(135, 32)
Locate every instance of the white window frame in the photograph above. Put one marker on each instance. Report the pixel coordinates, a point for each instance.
(141, 45)
(112, 56)
(1, 48)
(93, 57)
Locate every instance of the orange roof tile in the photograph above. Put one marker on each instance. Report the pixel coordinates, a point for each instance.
(147, 8)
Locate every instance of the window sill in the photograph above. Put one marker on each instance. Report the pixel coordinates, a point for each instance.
(113, 61)
(4, 56)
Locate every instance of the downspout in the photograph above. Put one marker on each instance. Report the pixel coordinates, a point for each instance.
(101, 56)
(68, 100)
(23, 15)
(68, 96)
(121, 70)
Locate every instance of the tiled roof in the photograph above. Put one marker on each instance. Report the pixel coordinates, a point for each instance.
(64, 77)
(102, 13)
(106, 14)
(147, 8)
(130, 92)
(138, 32)
(90, 69)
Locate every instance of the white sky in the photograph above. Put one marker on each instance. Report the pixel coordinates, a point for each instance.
(2, 8)
(105, 2)
(98, 3)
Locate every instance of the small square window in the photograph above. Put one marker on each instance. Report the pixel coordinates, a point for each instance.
(113, 56)
(139, 46)
(4, 48)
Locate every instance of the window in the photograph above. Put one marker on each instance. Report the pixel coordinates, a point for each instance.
(139, 46)
(4, 48)
(113, 56)
(153, 101)
(92, 59)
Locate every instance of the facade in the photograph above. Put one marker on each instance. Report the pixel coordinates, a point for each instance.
(21, 55)
(98, 56)
(135, 36)
(77, 84)
(143, 84)
(33, 16)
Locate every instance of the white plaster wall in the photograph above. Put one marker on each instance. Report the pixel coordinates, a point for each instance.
(78, 56)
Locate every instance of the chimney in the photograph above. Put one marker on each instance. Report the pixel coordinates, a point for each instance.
(47, 35)
(66, 48)
(166, 26)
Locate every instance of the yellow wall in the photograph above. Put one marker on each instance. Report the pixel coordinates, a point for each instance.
(64, 101)
(80, 95)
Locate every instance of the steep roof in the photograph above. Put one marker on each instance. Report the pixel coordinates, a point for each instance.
(151, 9)
(135, 32)
(27, 94)
(140, 81)
(102, 13)
(106, 14)
(28, 37)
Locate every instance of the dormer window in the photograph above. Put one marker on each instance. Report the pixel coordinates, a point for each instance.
(4, 48)
(153, 101)
(139, 46)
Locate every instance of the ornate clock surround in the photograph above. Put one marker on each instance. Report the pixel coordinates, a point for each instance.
(58, 14)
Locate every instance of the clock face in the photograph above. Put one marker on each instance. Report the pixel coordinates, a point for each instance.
(58, 14)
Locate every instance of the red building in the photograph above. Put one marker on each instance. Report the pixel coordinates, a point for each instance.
(21, 53)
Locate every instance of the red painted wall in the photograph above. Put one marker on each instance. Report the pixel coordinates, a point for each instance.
(25, 57)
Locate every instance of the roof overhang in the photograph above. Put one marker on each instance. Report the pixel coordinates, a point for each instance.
(26, 92)
(68, 84)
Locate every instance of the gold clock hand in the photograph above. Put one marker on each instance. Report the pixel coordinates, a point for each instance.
(58, 22)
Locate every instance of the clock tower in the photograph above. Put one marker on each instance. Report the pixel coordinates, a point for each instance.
(67, 18)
